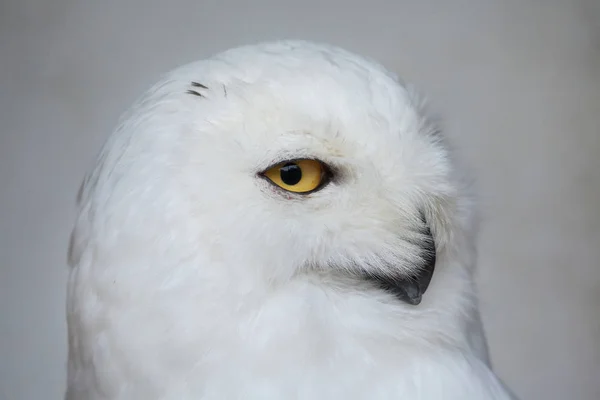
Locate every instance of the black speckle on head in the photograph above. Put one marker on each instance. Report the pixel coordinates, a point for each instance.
(198, 84)
(194, 93)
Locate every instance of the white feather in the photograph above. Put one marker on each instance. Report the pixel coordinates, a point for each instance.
(193, 279)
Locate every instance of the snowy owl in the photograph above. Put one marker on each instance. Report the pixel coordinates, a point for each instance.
(280, 221)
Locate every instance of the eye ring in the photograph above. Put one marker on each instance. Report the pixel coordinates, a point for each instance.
(299, 176)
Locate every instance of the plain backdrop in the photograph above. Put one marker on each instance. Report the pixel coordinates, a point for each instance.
(517, 83)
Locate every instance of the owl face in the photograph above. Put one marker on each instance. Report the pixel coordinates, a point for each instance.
(272, 161)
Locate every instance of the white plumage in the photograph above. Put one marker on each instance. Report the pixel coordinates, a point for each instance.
(196, 277)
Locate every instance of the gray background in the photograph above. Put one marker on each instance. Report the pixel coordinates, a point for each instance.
(517, 82)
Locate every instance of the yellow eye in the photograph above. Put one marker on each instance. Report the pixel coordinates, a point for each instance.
(298, 176)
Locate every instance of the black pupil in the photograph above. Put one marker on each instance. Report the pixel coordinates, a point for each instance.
(290, 174)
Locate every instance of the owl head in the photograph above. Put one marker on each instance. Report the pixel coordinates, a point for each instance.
(236, 175)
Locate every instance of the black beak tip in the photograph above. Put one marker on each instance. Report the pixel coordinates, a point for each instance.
(408, 292)
(414, 300)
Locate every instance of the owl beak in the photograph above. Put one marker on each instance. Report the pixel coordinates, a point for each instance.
(410, 289)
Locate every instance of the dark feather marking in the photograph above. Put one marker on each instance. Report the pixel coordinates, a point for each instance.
(194, 93)
(197, 84)
(225, 90)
